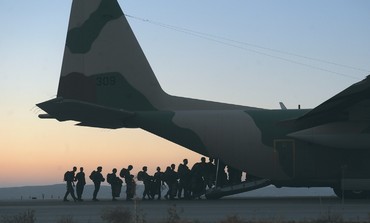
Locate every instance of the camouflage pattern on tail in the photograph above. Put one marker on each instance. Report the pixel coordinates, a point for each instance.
(103, 62)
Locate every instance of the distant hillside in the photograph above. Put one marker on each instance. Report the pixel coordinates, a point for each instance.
(57, 192)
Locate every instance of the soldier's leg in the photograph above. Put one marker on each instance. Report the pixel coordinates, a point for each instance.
(96, 190)
(72, 192)
(79, 189)
(65, 196)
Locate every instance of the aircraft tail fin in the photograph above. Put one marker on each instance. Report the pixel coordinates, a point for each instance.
(103, 62)
(105, 77)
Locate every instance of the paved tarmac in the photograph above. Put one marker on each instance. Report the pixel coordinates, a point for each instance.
(255, 209)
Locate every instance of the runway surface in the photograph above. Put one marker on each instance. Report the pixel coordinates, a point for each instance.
(275, 209)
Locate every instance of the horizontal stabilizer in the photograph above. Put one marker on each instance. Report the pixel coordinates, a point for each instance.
(46, 116)
(86, 113)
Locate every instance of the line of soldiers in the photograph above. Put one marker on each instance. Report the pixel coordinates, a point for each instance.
(97, 178)
(185, 183)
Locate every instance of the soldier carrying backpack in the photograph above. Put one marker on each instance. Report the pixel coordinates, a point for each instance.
(147, 180)
(130, 183)
(97, 178)
(69, 178)
(115, 183)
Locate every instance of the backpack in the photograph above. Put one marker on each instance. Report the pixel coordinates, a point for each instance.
(68, 176)
(92, 175)
(140, 176)
(110, 178)
(123, 172)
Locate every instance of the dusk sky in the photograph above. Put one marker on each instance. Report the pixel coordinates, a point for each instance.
(254, 53)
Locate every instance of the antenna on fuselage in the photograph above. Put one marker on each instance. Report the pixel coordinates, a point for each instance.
(282, 106)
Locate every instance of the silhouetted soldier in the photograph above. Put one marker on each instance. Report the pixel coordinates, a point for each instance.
(69, 177)
(158, 182)
(221, 175)
(197, 178)
(171, 176)
(183, 172)
(130, 183)
(81, 182)
(166, 179)
(210, 173)
(235, 175)
(115, 183)
(97, 178)
(147, 180)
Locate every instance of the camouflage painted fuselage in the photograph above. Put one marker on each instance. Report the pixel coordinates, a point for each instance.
(107, 82)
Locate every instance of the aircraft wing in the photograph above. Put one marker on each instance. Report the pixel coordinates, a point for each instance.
(352, 104)
(343, 121)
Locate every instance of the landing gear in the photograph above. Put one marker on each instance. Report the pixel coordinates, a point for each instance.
(351, 194)
(353, 185)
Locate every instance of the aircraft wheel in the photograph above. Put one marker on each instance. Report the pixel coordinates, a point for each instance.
(351, 194)
(356, 194)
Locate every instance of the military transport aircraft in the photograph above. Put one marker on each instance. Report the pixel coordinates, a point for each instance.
(107, 82)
